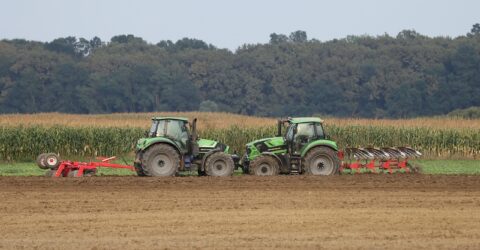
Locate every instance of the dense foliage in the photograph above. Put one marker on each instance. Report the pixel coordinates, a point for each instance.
(362, 76)
(469, 113)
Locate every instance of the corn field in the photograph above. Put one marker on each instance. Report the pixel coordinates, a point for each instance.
(20, 143)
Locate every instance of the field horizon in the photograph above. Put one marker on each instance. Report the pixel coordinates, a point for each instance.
(219, 120)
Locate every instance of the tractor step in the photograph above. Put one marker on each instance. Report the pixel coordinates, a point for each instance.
(294, 172)
(295, 164)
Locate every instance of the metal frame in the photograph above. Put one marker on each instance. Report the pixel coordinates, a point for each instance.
(384, 159)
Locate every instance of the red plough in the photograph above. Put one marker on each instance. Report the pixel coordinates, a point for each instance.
(68, 168)
(375, 160)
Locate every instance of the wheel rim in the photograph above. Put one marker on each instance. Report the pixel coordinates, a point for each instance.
(219, 168)
(264, 169)
(162, 164)
(52, 161)
(322, 165)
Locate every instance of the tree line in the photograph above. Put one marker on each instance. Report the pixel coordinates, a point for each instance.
(406, 75)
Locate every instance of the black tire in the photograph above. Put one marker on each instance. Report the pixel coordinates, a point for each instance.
(321, 161)
(52, 160)
(219, 164)
(160, 160)
(139, 169)
(41, 163)
(200, 172)
(138, 165)
(264, 165)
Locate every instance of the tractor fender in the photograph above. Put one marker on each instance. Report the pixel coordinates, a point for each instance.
(324, 143)
(202, 167)
(274, 156)
(143, 144)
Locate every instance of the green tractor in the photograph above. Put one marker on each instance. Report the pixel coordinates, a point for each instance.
(303, 149)
(172, 145)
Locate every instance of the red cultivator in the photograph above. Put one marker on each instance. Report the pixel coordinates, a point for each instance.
(74, 168)
(376, 160)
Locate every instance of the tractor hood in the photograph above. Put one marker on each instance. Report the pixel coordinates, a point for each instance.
(270, 142)
(205, 143)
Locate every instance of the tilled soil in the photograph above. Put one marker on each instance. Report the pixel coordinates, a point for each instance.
(301, 212)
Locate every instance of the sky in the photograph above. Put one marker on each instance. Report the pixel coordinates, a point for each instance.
(230, 24)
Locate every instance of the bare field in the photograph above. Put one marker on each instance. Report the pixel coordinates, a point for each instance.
(209, 120)
(301, 212)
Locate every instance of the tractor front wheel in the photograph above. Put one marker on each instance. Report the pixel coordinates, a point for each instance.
(219, 164)
(161, 160)
(264, 165)
(321, 161)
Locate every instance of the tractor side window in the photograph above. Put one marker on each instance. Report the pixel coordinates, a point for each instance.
(174, 130)
(178, 131)
(305, 132)
(161, 128)
(289, 135)
(153, 128)
(320, 133)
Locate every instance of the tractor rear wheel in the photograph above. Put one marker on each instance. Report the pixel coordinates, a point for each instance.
(321, 161)
(264, 165)
(160, 160)
(219, 164)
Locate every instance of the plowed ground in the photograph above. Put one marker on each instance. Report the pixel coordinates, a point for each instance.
(362, 211)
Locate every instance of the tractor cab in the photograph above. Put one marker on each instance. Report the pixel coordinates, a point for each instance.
(173, 128)
(300, 132)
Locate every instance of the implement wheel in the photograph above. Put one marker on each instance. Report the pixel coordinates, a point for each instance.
(321, 161)
(264, 165)
(41, 162)
(219, 164)
(52, 160)
(160, 160)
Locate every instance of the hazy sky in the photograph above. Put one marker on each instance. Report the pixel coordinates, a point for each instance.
(229, 24)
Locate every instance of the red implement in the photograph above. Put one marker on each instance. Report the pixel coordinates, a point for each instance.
(390, 160)
(77, 169)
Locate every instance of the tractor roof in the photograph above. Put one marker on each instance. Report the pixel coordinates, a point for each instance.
(304, 120)
(170, 118)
